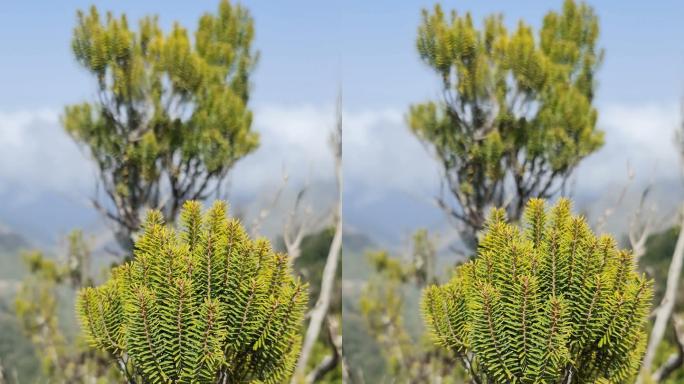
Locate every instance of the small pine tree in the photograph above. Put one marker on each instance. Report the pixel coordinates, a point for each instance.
(550, 303)
(204, 305)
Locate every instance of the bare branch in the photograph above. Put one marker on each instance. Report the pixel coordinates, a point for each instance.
(108, 214)
(330, 361)
(603, 218)
(676, 360)
(294, 230)
(641, 226)
(667, 304)
(322, 306)
(265, 211)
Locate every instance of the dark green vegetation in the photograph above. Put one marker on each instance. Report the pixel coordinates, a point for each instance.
(44, 308)
(655, 262)
(387, 307)
(206, 304)
(547, 303)
(363, 354)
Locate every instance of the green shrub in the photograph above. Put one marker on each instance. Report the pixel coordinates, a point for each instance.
(204, 305)
(548, 303)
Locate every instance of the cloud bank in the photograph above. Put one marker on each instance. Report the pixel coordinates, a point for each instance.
(641, 135)
(389, 177)
(36, 155)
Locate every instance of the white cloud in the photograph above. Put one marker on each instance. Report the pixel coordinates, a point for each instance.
(380, 153)
(641, 135)
(293, 139)
(382, 156)
(40, 164)
(639, 138)
(383, 159)
(36, 155)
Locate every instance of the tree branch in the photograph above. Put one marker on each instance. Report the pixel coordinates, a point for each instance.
(330, 361)
(293, 233)
(676, 360)
(667, 304)
(320, 310)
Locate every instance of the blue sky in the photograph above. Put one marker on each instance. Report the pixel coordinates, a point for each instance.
(308, 45)
(307, 49)
(300, 62)
(644, 59)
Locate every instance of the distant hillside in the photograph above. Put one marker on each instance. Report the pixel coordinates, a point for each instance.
(17, 354)
(11, 245)
(10, 241)
(359, 346)
(656, 263)
(354, 264)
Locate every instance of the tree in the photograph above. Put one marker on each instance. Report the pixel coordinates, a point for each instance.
(516, 115)
(204, 305)
(514, 120)
(39, 306)
(171, 117)
(550, 303)
(408, 358)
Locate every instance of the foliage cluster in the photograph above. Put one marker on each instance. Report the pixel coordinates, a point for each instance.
(550, 303)
(43, 306)
(204, 305)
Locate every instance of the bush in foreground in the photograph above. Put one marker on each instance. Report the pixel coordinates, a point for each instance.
(548, 303)
(204, 305)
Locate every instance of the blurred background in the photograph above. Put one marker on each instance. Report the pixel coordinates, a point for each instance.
(393, 178)
(313, 54)
(284, 189)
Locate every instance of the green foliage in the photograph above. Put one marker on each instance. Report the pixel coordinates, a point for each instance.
(17, 353)
(382, 305)
(171, 116)
(515, 108)
(41, 310)
(549, 303)
(656, 263)
(386, 304)
(204, 305)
